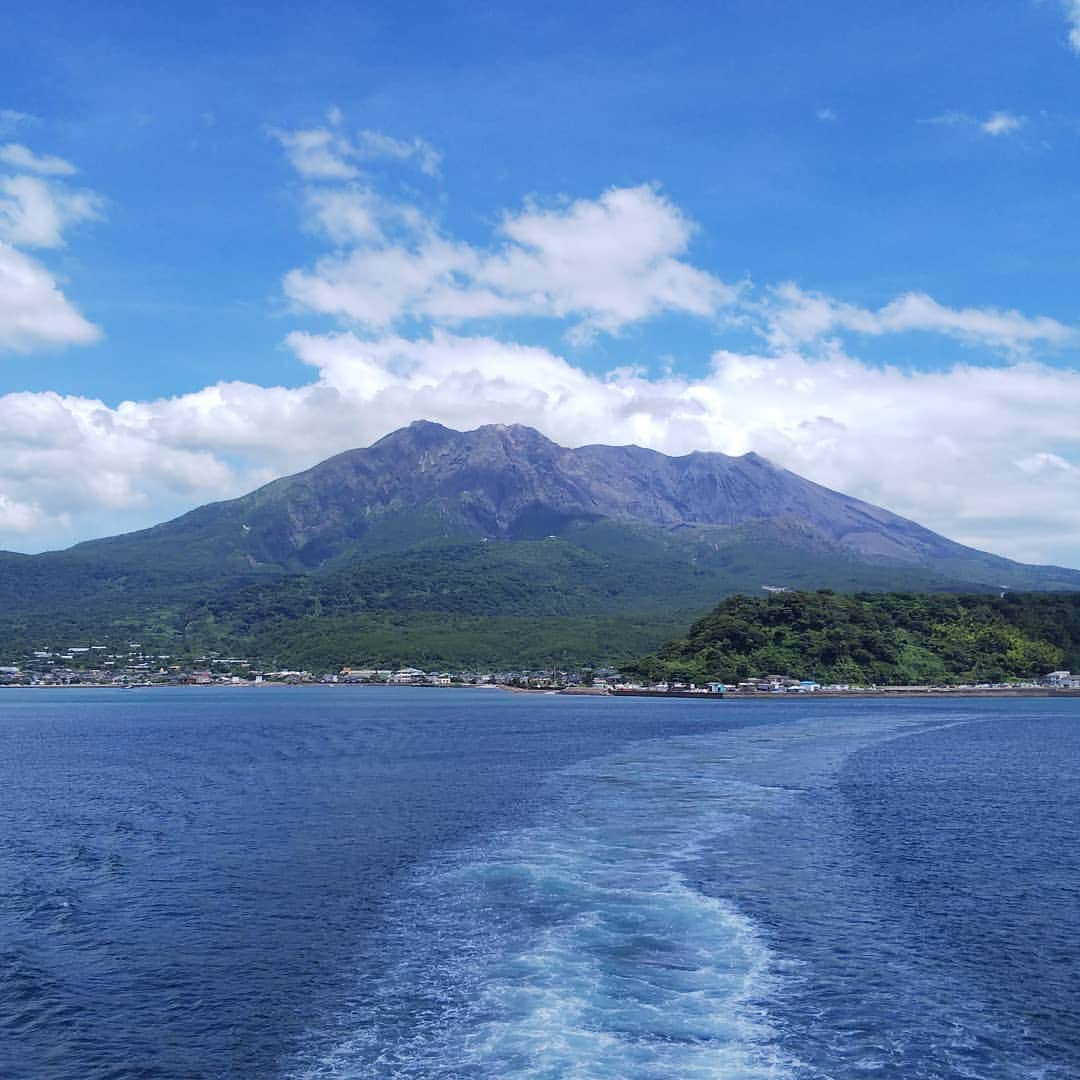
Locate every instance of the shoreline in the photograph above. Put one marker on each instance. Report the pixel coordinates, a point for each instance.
(832, 695)
(656, 695)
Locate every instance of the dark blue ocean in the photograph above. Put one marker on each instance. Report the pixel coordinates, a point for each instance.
(393, 883)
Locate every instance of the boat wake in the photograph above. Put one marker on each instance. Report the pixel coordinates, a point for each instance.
(579, 947)
(600, 942)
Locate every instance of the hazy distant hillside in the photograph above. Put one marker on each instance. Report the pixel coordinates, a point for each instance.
(494, 523)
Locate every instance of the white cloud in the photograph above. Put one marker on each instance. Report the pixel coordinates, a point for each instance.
(376, 287)
(18, 156)
(47, 441)
(616, 259)
(317, 154)
(598, 264)
(794, 316)
(10, 119)
(826, 115)
(606, 263)
(374, 144)
(1072, 14)
(19, 518)
(1003, 123)
(329, 154)
(34, 213)
(345, 215)
(985, 455)
(33, 311)
(354, 214)
(996, 124)
(1043, 463)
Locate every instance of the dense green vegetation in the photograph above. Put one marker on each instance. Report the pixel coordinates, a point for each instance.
(595, 577)
(527, 603)
(603, 592)
(462, 642)
(876, 638)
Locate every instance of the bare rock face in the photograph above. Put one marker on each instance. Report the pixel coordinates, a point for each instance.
(428, 484)
(510, 482)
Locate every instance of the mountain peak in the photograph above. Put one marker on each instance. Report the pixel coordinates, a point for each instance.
(408, 524)
(510, 481)
(418, 430)
(427, 483)
(519, 433)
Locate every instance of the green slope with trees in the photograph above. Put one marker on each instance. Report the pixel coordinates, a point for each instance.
(609, 582)
(876, 638)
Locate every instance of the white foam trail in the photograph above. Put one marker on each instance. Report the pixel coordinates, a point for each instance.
(578, 948)
(583, 948)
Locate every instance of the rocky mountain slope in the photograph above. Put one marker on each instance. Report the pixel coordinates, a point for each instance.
(427, 482)
(496, 522)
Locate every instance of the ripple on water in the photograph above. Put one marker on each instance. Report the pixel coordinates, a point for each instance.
(574, 949)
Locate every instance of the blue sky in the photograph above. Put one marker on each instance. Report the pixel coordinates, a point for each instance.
(853, 225)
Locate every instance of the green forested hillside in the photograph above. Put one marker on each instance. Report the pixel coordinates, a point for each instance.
(461, 642)
(619, 590)
(605, 593)
(883, 638)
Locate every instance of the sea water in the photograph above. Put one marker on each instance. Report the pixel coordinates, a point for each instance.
(457, 884)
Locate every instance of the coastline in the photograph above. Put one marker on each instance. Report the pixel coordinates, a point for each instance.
(674, 695)
(880, 692)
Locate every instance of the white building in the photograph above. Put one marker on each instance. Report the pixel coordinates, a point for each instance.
(1062, 680)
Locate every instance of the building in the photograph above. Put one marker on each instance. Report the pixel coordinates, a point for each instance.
(406, 676)
(1061, 680)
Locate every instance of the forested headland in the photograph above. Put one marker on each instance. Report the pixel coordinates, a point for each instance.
(875, 639)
